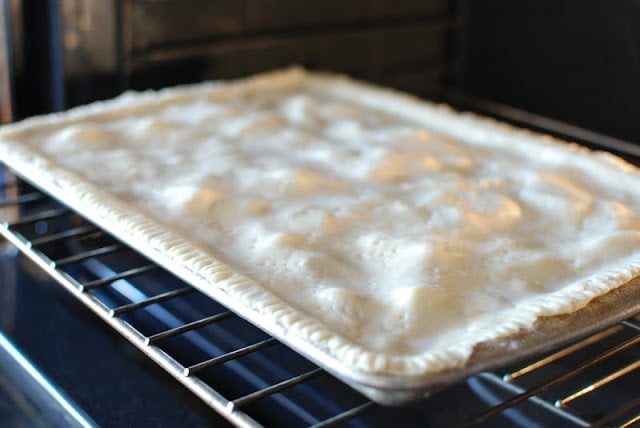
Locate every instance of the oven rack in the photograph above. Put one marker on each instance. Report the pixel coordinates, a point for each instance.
(191, 337)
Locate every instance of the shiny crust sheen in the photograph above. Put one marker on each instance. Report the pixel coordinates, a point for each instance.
(200, 266)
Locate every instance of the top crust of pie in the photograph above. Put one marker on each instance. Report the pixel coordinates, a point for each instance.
(372, 230)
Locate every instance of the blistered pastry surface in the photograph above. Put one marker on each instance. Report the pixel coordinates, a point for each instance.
(390, 234)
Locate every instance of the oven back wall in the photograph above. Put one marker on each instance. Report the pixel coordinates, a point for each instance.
(95, 49)
(153, 44)
(577, 61)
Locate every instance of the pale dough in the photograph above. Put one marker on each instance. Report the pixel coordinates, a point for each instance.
(397, 233)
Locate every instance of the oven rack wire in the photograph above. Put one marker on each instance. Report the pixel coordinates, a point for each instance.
(158, 314)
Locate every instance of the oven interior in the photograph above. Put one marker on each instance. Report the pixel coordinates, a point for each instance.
(567, 69)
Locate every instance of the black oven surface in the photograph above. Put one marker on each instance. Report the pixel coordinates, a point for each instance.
(98, 377)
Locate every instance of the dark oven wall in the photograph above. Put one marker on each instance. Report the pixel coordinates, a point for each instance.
(574, 60)
(398, 43)
(82, 50)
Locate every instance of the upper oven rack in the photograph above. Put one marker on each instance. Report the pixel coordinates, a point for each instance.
(146, 305)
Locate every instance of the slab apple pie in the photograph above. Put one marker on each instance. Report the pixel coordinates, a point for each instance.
(375, 232)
